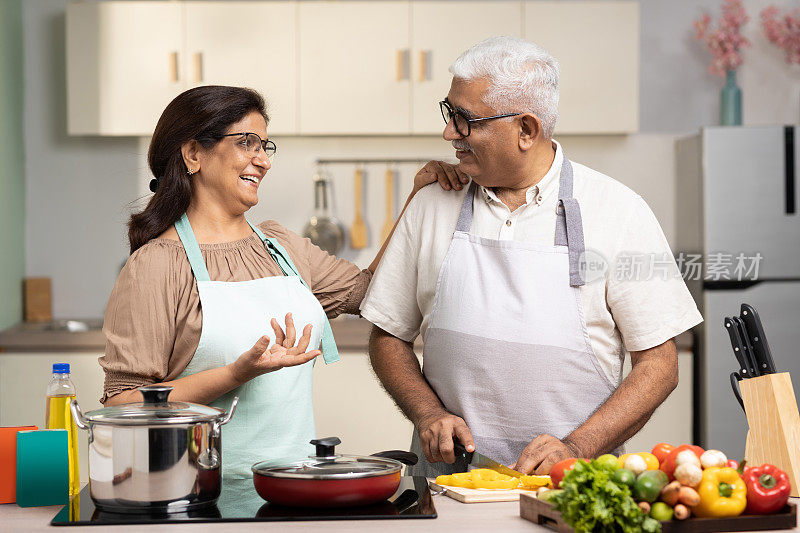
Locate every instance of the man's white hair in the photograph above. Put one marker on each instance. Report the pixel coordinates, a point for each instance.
(523, 77)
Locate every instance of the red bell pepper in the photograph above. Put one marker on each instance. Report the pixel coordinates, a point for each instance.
(768, 489)
(668, 465)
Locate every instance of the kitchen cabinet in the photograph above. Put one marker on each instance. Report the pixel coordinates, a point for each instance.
(338, 68)
(123, 65)
(220, 53)
(127, 60)
(597, 46)
(350, 403)
(441, 31)
(354, 65)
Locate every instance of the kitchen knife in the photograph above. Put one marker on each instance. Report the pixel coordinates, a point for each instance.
(738, 348)
(758, 339)
(481, 461)
(748, 354)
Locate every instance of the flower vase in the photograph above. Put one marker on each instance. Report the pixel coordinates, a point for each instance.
(730, 101)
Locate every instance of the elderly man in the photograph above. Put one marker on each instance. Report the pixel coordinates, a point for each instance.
(523, 349)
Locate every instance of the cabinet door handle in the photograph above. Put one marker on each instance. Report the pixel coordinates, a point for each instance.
(173, 67)
(424, 65)
(198, 66)
(402, 65)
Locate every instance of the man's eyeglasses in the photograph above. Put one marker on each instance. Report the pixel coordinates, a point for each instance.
(253, 143)
(463, 123)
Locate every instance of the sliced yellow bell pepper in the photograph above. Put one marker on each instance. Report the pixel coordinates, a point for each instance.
(722, 493)
(480, 478)
(650, 460)
(534, 482)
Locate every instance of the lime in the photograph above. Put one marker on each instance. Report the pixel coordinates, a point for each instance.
(608, 461)
(661, 512)
(623, 476)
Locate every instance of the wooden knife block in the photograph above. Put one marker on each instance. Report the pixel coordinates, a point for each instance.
(774, 434)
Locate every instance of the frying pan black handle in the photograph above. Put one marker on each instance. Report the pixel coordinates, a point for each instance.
(406, 500)
(407, 458)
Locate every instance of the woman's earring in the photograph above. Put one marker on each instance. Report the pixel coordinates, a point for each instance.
(190, 172)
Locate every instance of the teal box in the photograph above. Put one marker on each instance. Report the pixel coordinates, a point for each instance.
(42, 468)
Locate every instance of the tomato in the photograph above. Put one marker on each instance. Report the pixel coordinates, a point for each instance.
(661, 451)
(733, 464)
(558, 470)
(668, 466)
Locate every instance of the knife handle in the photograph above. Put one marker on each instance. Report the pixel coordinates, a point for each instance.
(757, 336)
(736, 344)
(749, 356)
(460, 451)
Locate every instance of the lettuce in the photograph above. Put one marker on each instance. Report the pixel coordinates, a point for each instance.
(592, 502)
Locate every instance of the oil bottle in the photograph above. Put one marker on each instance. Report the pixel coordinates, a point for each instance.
(60, 392)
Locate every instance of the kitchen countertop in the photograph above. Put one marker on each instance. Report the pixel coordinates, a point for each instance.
(351, 334)
(453, 516)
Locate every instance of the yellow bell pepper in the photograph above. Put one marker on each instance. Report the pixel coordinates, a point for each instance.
(534, 482)
(650, 460)
(480, 478)
(722, 493)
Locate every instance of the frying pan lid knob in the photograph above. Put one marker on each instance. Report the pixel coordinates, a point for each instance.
(325, 447)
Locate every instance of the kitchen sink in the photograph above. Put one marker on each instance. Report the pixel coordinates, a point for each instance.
(70, 326)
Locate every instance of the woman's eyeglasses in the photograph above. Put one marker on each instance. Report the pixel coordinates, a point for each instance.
(253, 143)
(463, 123)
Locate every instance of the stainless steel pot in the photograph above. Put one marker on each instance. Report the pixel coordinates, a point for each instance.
(155, 455)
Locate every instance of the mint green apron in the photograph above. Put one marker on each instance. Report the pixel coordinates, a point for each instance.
(275, 415)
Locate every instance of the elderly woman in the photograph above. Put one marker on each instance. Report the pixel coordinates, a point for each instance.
(197, 304)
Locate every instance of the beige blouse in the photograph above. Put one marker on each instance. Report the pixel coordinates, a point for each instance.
(153, 319)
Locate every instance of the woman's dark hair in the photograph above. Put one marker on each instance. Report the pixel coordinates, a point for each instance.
(203, 114)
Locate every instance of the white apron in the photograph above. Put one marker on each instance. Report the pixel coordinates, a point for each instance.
(275, 415)
(507, 347)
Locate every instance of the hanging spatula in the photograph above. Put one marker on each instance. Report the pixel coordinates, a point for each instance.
(358, 232)
(389, 222)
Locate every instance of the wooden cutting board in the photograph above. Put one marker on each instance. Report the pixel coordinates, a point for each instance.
(480, 495)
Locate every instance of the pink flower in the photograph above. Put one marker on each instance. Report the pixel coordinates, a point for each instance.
(784, 31)
(726, 41)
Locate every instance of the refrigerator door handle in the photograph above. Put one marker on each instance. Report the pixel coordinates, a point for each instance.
(789, 171)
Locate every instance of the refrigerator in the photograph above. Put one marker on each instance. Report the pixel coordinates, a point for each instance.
(737, 209)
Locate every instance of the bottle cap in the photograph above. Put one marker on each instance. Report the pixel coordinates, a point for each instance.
(60, 368)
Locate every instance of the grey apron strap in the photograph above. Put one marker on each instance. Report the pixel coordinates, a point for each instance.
(465, 218)
(569, 225)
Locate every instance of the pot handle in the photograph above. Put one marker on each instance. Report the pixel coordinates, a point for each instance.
(407, 458)
(232, 409)
(77, 414)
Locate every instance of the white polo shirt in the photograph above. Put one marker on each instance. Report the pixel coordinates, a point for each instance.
(639, 301)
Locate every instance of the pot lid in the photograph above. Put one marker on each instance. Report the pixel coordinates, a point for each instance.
(327, 465)
(338, 467)
(154, 410)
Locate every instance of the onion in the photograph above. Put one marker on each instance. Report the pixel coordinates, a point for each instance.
(713, 458)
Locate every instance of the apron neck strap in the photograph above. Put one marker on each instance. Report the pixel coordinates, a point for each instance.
(278, 254)
(465, 218)
(569, 224)
(186, 235)
(330, 352)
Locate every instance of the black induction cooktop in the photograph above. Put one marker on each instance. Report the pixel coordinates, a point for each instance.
(239, 502)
